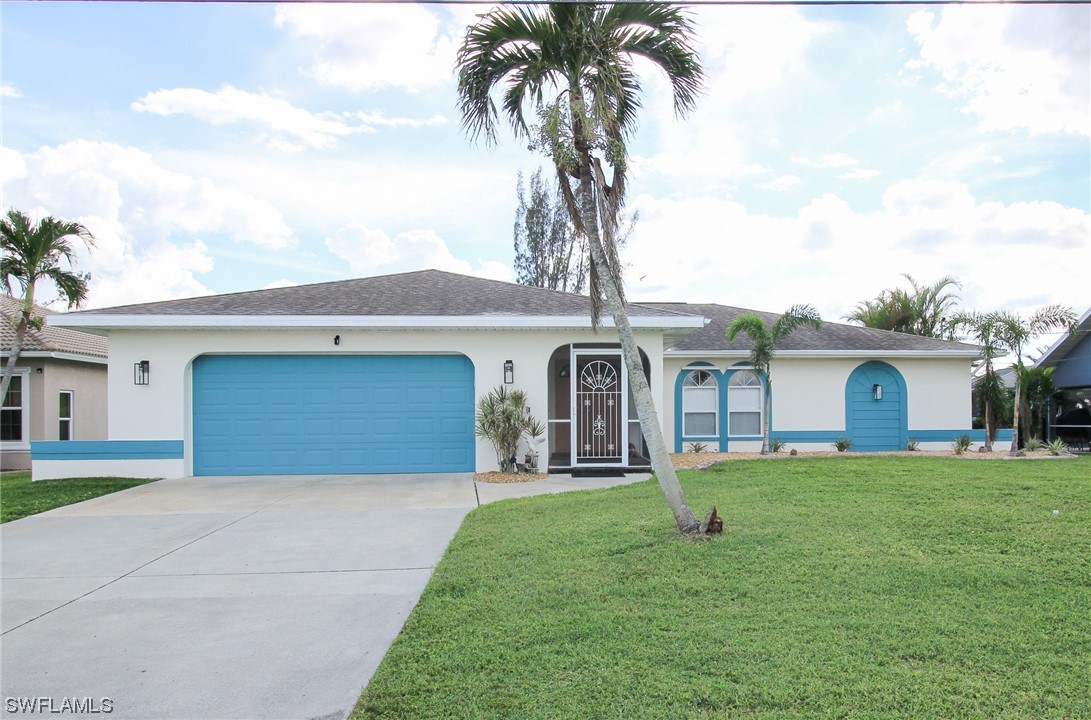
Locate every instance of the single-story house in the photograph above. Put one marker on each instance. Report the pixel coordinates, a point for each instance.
(382, 375)
(1070, 411)
(58, 391)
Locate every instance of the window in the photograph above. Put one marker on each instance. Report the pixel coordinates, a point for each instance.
(13, 413)
(64, 415)
(744, 404)
(699, 403)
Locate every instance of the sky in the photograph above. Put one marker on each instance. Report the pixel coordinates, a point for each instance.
(216, 148)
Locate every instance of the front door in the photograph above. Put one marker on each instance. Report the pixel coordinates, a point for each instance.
(600, 410)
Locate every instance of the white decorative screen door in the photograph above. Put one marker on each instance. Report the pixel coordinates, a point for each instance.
(599, 412)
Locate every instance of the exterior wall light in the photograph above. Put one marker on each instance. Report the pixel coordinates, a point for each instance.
(336, 339)
(509, 372)
(877, 391)
(142, 372)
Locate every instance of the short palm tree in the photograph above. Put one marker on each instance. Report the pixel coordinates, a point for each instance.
(571, 64)
(33, 252)
(765, 340)
(983, 329)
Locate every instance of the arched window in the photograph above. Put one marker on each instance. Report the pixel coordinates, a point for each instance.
(699, 403)
(744, 404)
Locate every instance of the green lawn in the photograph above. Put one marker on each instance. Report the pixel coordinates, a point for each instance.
(842, 588)
(20, 497)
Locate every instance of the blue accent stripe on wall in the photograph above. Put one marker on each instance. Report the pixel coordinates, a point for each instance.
(107, 450)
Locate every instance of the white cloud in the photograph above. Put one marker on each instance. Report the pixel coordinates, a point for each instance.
(9, 91)
(1014, 67)
(741, 68)
(282, 283)
(833, 255)
(836, 161)
(780, 184)
(369, 251)
(291, 125)
(150, 223)
(12, 166)
(363, 46)
(859, 174)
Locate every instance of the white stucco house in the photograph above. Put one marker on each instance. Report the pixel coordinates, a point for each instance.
(382, 374)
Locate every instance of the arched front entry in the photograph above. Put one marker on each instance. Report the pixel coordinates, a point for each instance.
(876, 415)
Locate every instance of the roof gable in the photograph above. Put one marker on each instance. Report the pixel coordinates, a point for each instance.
(432, 293)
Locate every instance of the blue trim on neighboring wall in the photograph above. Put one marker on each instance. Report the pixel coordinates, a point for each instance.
(107, 450)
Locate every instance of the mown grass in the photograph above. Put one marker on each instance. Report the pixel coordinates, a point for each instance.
(19, 497)
(849, 588)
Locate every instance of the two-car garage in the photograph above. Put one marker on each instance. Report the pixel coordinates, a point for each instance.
(315, 414)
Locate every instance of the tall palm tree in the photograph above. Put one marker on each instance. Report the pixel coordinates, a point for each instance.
(571, 64)
(927, 310)
(984, 329)
(765, 340)
(1015, 332)
(32, 252)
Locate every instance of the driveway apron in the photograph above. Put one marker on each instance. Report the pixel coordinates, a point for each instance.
(225, 598)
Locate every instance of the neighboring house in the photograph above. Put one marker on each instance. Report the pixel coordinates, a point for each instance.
(58, 391)
(382, 374)
(1070, 413)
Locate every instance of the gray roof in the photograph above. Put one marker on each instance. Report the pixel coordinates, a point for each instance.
(49, 339)
(421, 293)
(832, 336)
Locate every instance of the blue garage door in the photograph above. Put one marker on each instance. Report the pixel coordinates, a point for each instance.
(304, 414)
(876, 424)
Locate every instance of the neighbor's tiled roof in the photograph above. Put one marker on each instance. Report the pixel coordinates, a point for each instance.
(421, 293)
(48, 339)
(832, 336)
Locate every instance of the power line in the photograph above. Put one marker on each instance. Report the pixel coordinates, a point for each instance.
(686, 3)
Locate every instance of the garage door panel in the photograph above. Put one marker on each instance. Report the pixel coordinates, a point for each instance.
(332, 414)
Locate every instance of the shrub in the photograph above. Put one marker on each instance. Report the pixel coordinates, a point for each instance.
(962, 443)
(1034, 444)
(842, 444)
(913, 445)
(776, 445)
(503, 418)
(698, 447)
(1057, 447)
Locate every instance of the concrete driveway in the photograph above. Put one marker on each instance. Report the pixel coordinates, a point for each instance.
(261, 597)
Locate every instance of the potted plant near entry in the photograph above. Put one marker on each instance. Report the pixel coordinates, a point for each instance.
(533, 431)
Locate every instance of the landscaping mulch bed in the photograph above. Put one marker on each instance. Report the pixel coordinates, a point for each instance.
(501, 477)
(699, 461)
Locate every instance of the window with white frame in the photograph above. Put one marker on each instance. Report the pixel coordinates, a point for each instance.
(15, 414)
(699, 405)
(744, 403)
(64, 415)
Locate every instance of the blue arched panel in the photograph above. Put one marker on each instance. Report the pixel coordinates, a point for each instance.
(872, 424)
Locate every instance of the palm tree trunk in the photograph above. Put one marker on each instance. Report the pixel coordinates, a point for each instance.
(16, 349)
(642, 395)
(768, 424)
(1015, 415)
(988, 409)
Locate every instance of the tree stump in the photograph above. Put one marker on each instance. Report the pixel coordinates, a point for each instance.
(712, 523)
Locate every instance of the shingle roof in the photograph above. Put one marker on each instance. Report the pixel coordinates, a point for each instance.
(832, 336)
(48, 339)
(421, 293)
